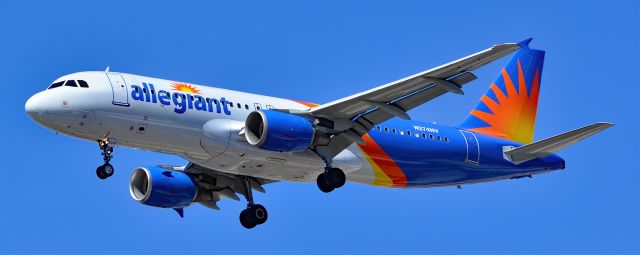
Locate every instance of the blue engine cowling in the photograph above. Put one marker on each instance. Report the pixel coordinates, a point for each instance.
(278, 131)
(160, 187)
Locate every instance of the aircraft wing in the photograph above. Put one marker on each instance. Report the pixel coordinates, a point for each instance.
(351, 117)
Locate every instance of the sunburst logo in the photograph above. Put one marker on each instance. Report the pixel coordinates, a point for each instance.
(513, 116)
(183, 87)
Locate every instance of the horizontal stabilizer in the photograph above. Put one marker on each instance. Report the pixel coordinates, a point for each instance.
(552, 144)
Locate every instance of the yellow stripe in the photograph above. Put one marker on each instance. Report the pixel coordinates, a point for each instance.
(381, 178)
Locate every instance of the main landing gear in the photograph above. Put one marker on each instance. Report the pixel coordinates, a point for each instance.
(331, 179)
(106, 170)
(255, 214)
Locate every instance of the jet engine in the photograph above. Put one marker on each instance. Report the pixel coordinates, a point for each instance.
(278, 131)
(160, 187)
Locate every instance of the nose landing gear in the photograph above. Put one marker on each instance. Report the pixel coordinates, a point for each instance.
(106, 170)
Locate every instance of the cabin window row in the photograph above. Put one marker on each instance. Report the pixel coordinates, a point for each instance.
(413, 134)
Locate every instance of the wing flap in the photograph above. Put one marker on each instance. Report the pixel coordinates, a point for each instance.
(553, 144)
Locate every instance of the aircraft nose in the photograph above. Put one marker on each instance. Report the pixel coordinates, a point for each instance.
(34, 105)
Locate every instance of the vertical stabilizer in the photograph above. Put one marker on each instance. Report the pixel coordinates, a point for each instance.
(508, 109)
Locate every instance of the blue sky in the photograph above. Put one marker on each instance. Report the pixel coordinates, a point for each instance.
(318, 52)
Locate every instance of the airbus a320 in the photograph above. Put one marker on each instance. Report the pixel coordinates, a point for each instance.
(236, 142)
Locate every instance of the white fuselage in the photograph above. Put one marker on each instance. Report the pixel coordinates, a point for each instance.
(201, 124)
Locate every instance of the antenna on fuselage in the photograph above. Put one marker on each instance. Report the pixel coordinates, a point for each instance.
(106, 70)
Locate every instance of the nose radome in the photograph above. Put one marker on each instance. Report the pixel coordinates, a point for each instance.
(34, 105)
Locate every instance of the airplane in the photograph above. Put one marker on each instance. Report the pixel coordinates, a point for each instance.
(237, 142)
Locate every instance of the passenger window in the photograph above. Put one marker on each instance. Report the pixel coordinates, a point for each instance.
(55, 85)
(246, 106)
(215, 101)
(83, 84)
(439, 139)
(386, 129)
(231, 104)
(393, 130)
(71, 83)
(379, 128)
(424, 136)
(417, 135)
(431, 137)
(144, 90)
(446, 139)
(408, 133)
(401, 132)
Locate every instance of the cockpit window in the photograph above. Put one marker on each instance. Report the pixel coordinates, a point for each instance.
(71, 83)
(83, 83)
(55, 85)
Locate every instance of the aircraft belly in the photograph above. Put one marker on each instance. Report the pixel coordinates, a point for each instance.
(239, 157)
(153, 133)
(277, 166)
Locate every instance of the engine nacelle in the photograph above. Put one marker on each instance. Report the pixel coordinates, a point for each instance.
(278, 131)
(160, 187)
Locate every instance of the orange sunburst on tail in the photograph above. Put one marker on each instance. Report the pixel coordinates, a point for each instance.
(508, 109)
(514, 115)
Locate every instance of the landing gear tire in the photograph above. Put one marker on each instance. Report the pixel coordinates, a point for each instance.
(104, 171)
(253, 216)
(336, 177)
(108, 169)
(260, 213)
(323, 183)
(246, 220)
(100, 173)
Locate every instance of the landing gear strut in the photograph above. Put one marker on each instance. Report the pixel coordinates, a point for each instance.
(255, 214)
(106, 170)
(331, 179)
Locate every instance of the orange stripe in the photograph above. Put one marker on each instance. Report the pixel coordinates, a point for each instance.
(373, 151)
(310, 105)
